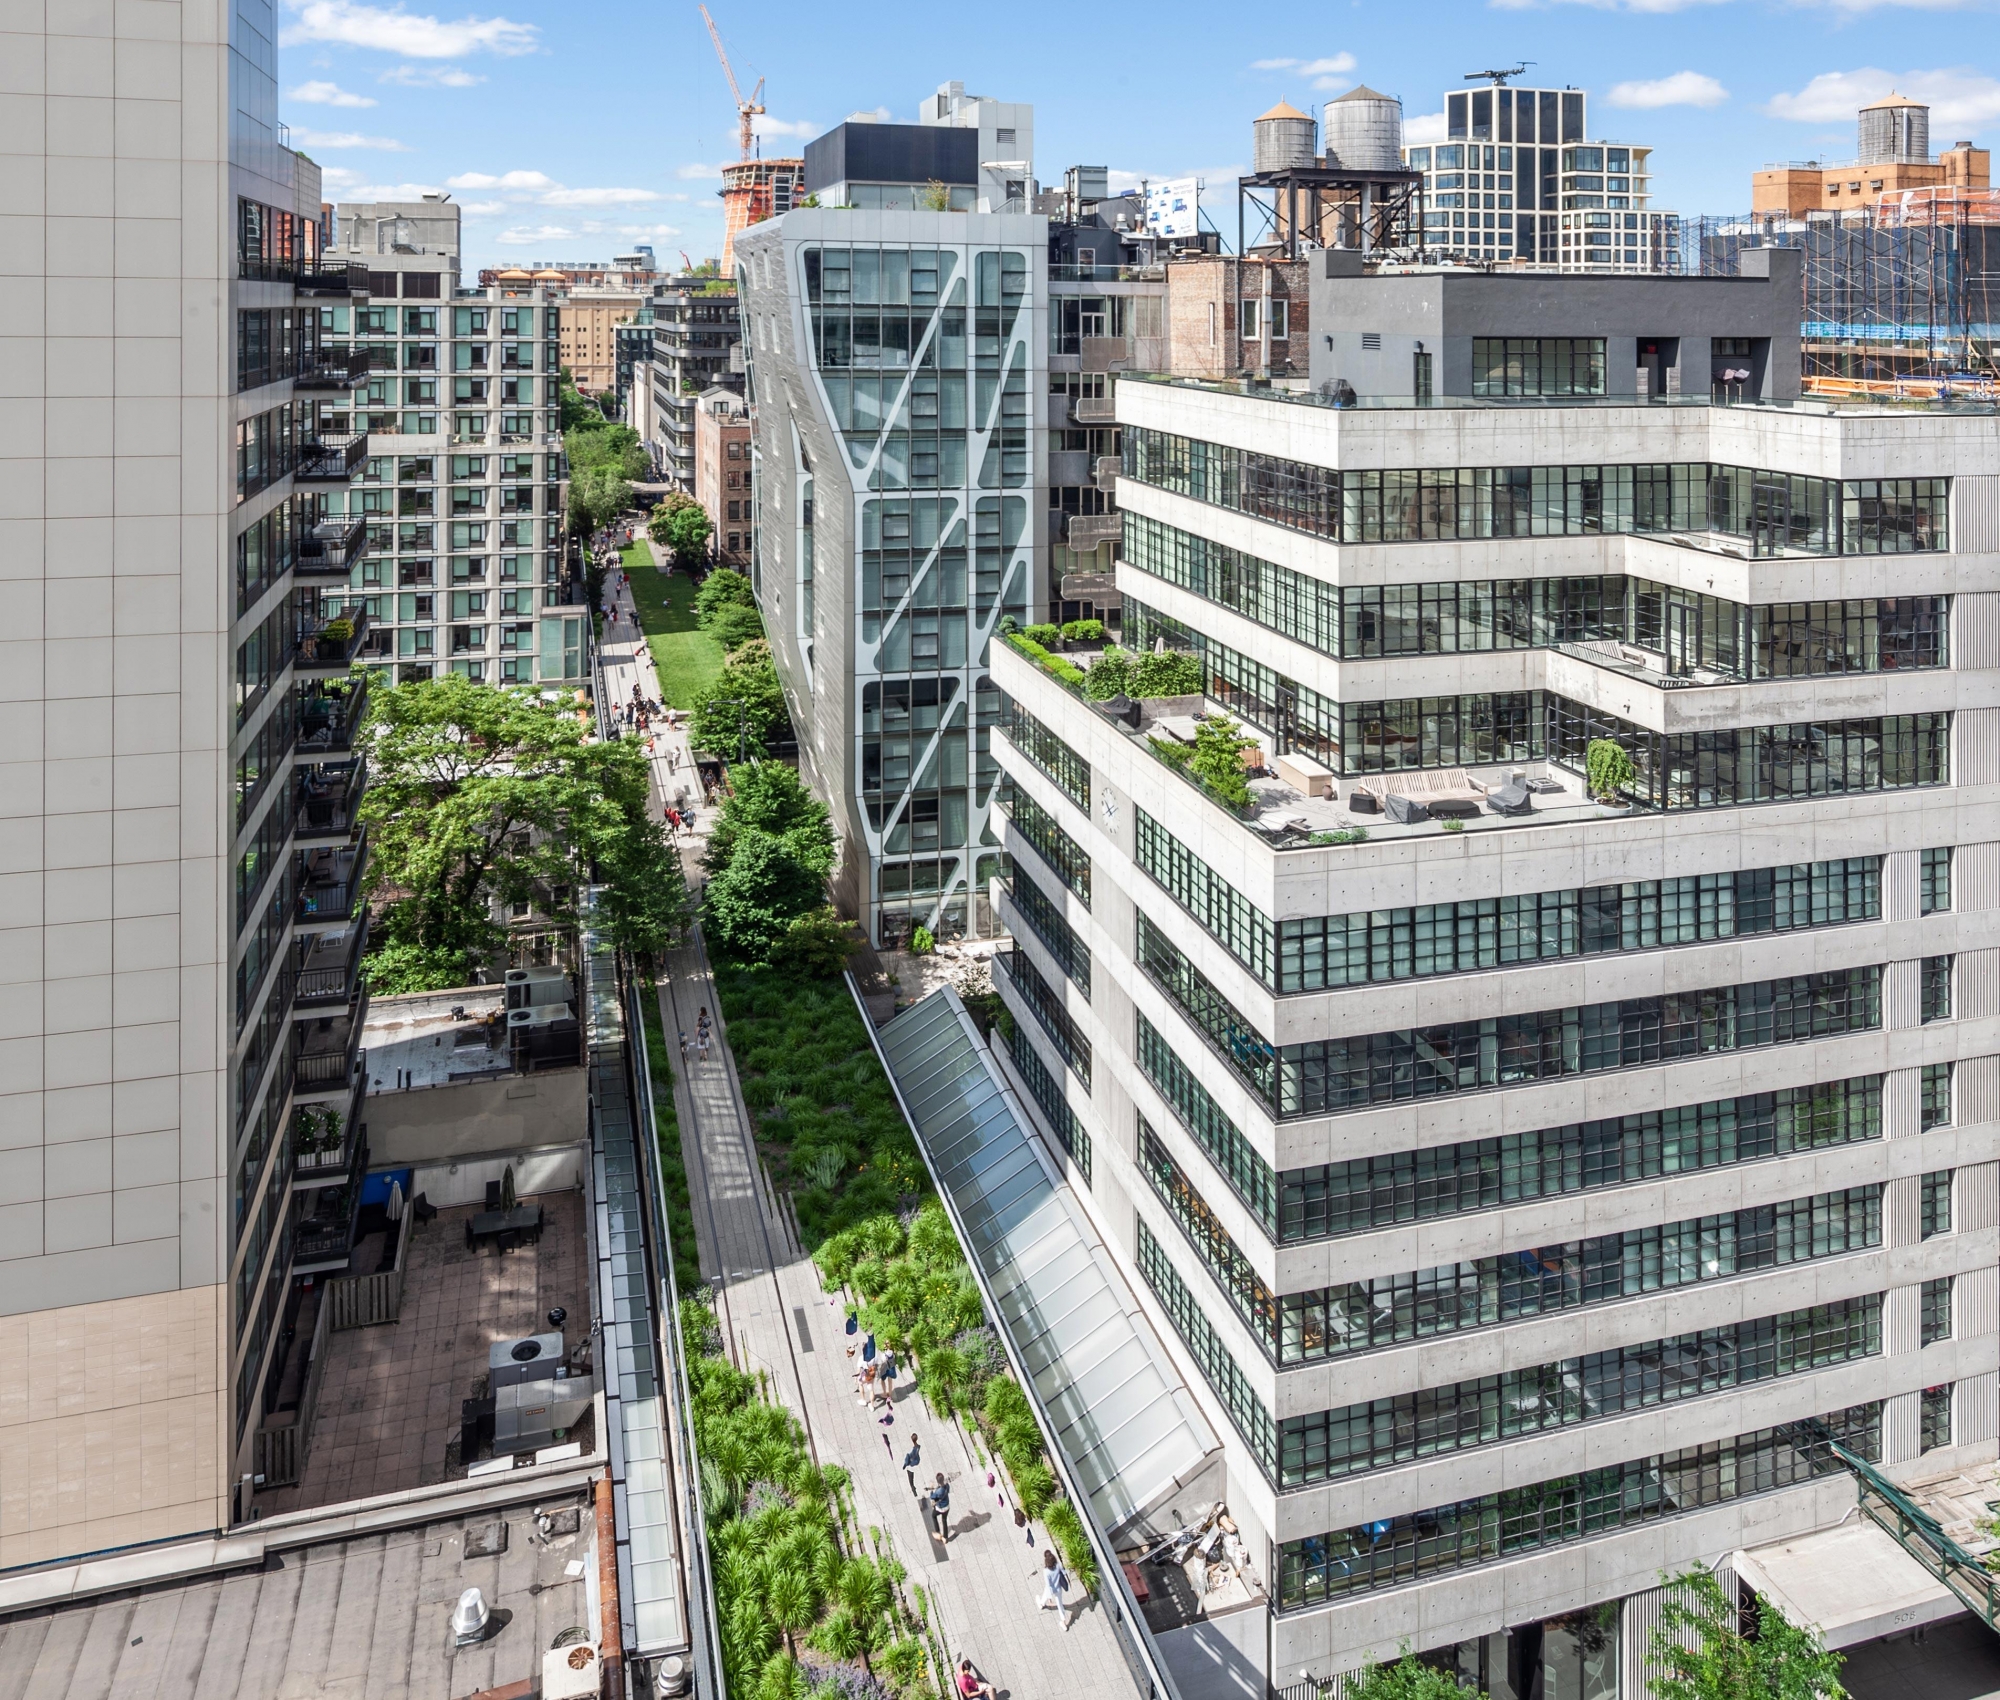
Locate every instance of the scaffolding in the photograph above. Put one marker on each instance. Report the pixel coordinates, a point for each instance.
(1898, 292)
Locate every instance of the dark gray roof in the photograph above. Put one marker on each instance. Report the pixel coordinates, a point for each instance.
(368, 1618)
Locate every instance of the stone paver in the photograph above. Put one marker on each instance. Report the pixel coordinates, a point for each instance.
(389, 1400)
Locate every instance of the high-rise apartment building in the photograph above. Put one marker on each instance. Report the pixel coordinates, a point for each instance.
(181, 851)
(1518, 178)
(692, 347)
(897, 361)
(462, 568)
(1531, 1187)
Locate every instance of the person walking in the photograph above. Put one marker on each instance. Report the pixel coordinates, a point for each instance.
(940, 1498)
(1054, 1580)
(887, 1382)
(912, 1461)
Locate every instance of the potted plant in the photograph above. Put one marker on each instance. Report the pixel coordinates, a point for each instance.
(1609, 773)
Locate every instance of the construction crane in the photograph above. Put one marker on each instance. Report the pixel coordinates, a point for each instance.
(747, 111)
(1497, 78)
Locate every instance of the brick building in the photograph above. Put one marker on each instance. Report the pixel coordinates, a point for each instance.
(722, 473)
(1227, 316)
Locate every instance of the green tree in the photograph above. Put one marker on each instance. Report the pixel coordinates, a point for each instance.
(1779, 1662)
(688, 531)
(772, 799)
(723, 588)
(597, 495)
(1217, 761)
(1402, 1679)
(663, 511)
(752, 903)
(790, 1598)
(479, 798)
(734, 627)
(815, 946)
(748, 678)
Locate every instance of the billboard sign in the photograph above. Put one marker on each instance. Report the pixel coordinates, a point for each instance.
(1174, 209)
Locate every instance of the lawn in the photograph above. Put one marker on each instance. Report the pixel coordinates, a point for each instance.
(686, 658)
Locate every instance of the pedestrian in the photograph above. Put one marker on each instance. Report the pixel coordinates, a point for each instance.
(868, 1374)
(684, 1047)
(868, 1348)
(1054, 1580)
(971, 1687)
(887, 1382)
(940, 1498)
(704, 1045)
(912, 1461)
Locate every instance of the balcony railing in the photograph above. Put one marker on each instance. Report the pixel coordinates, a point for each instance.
(328, 278)
(334, 368)
(332, 644)
(315, 1071)
(327, 807)
(331, 546)
(327, 723)
(1095, 410)
(323, 903)
(331, 460)
(1087, 531)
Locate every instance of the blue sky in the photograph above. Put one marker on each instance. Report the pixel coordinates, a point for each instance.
(569, 130)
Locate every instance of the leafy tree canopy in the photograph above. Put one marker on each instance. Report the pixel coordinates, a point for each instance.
(723, 588)
(597, 496)
(771, 798)
(688, 531)
(750, 678)
(752, 903)
(479, 798)
(663, 512)
(1404, 1679)
(1783, 1662)
(734, 627)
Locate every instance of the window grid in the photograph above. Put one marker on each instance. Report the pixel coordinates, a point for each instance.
(1380, 1432)
(1935, 1312)
(1934, 1207)
(1935, 887)
(1065, 857)
(1219, 1137)
(1390, 1552)
(1232, 1386)
(1535, 366)
(1045, 917)
(1068, 770)
(1935, 1003)
(1936, 1096)
(1048, 1095)
(1777, 510)
(1046, 1005)
(1934, 1422)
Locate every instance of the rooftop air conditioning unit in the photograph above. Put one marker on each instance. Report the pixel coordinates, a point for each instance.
(541, 1015)
(531, 988)
(536, 1358)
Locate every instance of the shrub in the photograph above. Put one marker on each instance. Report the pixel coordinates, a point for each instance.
(1083, 631)
(1608, 769)
(1342, 835)
(1066, 1528)
(1109, 675)
(1043, 634)
(1169, 673)
(922, 942)
(735, 626)
(723, 588)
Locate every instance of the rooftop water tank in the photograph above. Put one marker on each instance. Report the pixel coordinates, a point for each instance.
(1895, 128)
(1364, 131)
(1281, 139)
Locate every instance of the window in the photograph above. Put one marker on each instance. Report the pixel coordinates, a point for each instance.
(1936, 1096)
(1934, 1204)
(1247, 319)
(1935, 989)
(1934, 1423)
(1280, 318)
(1934, 891)
(1934, 1312)
(1537, 366)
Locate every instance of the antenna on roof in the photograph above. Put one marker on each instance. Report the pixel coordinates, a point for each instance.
(1499, 78)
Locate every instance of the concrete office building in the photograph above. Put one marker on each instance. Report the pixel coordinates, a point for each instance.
(693, 347)
(179, 800)
(1518, 178)
(1531, 1190)
(461, 487)
(897, 363)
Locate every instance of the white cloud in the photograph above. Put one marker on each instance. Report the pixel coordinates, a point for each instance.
(1334, 65)
(1219, 180)
(1961, 100)
(596, 197)
(1683, 88)
(430, 77)
(689, 173)
(327, 94)
(394, 30)
(1424, 129)
(355, 191)
(347, 139)
(765, 125)
(484, 209)
(534, 236)
(506, 180)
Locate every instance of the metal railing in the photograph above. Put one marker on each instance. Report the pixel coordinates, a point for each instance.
(281, 1452)
(325, 1068)
(1920, 1535)
(321, 646)
(330, 459)
(331, 546)
(330, 278)
(336, 367)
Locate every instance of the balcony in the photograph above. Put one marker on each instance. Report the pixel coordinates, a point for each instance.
(330, 881)
(331, 547)
(331, 644)
(1105, 472)
(334, 368)
(329, 967)
(329, 1054)
(328, 800)
(326, 278)
(1094, 409)
(331, 460)
(1087, 531)
(325, 1235)
(329, 715)
(325, 1145)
